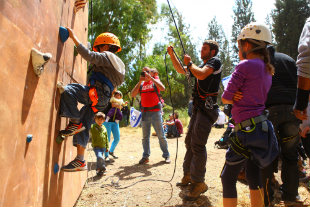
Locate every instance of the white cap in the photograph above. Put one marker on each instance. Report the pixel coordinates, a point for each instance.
(256, 31)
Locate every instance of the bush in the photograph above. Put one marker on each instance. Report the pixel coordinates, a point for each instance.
(183, 116)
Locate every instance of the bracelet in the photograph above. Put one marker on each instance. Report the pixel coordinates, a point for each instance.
(302, 99)
(189, 64)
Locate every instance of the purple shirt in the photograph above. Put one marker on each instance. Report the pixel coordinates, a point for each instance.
(251, 78)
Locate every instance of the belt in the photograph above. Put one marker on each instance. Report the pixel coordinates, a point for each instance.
(250, 122)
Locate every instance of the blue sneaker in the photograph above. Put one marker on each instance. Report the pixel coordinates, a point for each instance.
(75, 165)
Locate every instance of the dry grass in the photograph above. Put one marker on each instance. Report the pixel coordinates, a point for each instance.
(125, 171)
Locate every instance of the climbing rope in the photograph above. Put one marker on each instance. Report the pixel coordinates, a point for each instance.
(187, 73)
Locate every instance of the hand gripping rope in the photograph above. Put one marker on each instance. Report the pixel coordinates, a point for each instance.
(176, 26)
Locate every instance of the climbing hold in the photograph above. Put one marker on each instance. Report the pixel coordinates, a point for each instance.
(56, 168)
(75, 51)
(63, 34)
(39, 59)
(29, 138)
(61, 87)
(79, 4)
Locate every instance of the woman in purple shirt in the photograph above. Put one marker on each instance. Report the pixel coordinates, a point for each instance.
(254, 145)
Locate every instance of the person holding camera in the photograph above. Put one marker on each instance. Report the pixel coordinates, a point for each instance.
(149, 87)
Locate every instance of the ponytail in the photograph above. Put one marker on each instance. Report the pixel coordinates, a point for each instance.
(269, 67)
(261, 49)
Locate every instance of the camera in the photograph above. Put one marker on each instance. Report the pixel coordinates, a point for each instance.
(143, 73)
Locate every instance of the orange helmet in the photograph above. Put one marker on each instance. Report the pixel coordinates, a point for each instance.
(107, 39)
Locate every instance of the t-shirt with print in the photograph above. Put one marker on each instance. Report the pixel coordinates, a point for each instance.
(149, 97)
(210, 84)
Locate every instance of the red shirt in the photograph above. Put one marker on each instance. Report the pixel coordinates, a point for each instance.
(179, 126)
(149, 97)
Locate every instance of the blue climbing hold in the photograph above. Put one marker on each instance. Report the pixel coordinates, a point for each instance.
(63, 34)
(29, 138)
(56, 168)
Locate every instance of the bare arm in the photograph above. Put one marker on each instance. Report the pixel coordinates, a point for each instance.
(157, 82)
(135, 90)
(73, 37)
(199, 73)
(226, 101)
(176, 64)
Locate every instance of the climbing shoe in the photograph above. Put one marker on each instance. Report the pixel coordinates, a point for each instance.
(185, 181)
(75, 165)
(72, 129)
(196, 190)
(144, 160)
(112, 154)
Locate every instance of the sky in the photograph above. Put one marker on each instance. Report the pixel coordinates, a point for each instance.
(198, 13)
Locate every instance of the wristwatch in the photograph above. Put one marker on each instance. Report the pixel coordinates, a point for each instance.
(189, 64)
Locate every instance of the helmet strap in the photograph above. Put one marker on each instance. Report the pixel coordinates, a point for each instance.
(260, 45)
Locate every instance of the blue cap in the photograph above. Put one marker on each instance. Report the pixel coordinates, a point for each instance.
(63, 34)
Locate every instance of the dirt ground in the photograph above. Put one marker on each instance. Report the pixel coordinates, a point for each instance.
(128, 184)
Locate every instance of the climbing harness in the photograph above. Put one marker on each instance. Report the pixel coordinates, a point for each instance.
(207, 96)
(247, 126)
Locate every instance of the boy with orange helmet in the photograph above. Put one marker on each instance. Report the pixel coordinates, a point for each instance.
(107, 71)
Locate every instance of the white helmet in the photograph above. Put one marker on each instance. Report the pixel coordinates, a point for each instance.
(256, 31)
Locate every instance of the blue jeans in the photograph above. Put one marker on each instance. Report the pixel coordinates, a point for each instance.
(114, 128)
(76, 93)
(100, 159)
(155, 119)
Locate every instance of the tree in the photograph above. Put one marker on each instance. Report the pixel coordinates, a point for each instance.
(288, 20)
(243, 15)
(181, 90)
(127, 19)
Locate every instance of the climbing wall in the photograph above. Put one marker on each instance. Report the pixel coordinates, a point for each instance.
(29, 104)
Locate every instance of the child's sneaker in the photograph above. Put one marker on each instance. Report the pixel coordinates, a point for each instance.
(100, 172)
(112, 154)
(75, 165)
(72, 129)
(107, 159)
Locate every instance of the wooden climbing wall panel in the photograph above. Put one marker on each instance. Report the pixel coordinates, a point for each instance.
(30, 104)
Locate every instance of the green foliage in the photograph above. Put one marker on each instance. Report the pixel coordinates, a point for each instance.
(181, 90)
(288, 20)
(127, 19)
(242, 16)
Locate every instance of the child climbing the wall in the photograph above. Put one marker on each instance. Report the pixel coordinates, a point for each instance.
(100, 142)
(107, 71)
(115, 112)
(254, 144)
